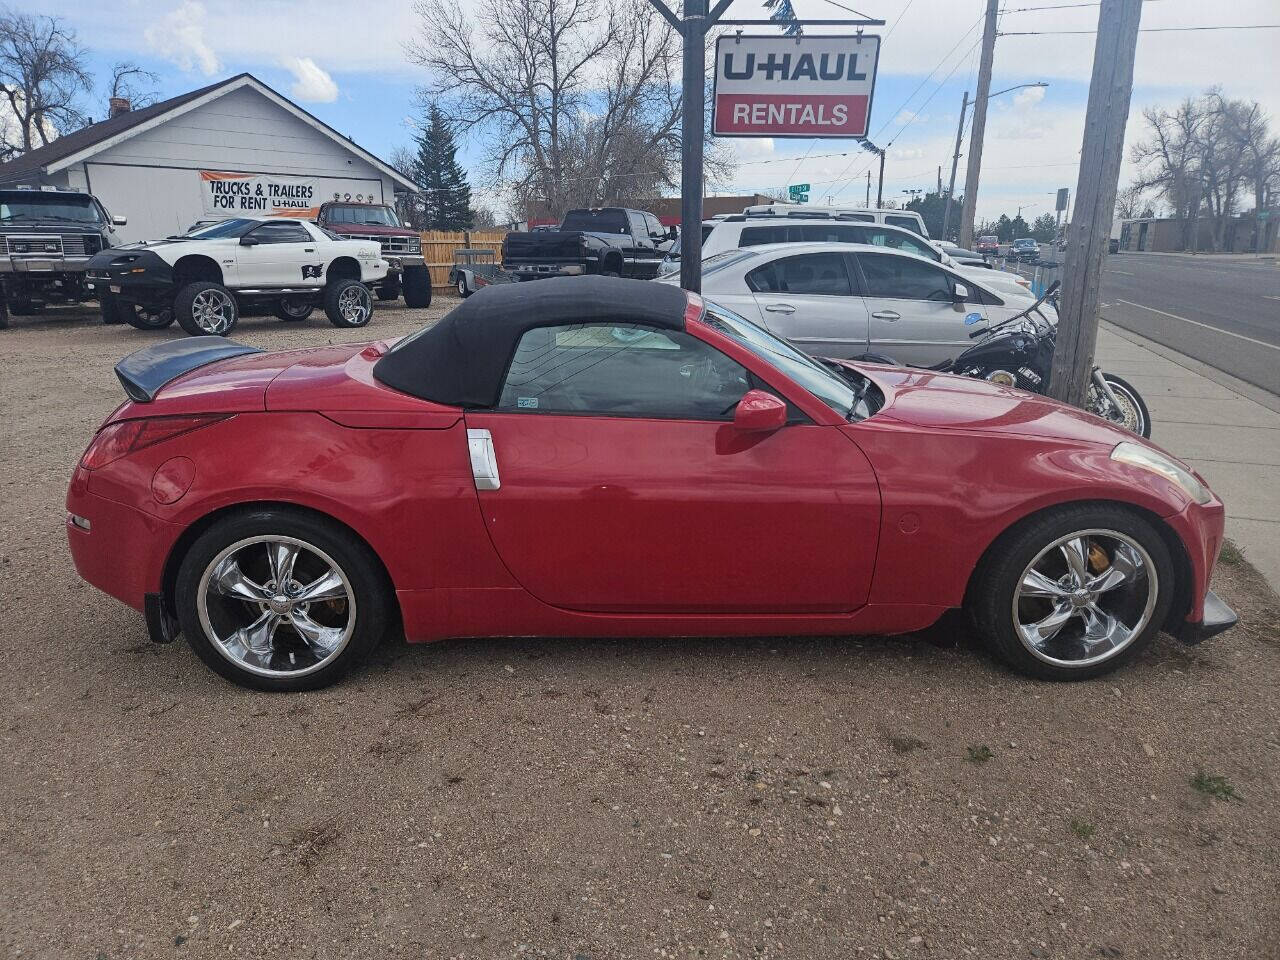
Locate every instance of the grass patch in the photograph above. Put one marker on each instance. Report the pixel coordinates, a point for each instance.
(1231, 555)
(1083, 828)
(979, 753)
(1214, 786)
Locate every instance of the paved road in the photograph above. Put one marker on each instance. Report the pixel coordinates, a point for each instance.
(1225, 313)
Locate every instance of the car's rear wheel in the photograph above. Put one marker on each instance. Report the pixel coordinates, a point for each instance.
(147, 318)
(205, 309)
(294, 308)
(281, 600)
(1074, 592)
(347, 303)
(416, 285)
(390, 289)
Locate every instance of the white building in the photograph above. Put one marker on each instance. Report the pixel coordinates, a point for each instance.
(231, 147)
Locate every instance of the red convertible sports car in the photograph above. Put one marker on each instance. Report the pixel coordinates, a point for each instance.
(604, 457)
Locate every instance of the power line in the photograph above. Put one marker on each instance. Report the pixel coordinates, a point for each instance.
(1223, 26)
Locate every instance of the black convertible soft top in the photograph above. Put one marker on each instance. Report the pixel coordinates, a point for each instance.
(463, 359)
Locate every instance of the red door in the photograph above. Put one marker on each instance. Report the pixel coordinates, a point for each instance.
(680, 516)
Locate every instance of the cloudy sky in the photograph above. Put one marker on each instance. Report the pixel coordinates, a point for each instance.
(345, 62)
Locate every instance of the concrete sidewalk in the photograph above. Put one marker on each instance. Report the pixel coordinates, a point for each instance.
(1228, 430)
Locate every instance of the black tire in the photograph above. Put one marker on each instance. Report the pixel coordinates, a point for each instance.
(352, 557)
(24, 307)
(144, 318)
(991, 598)
(415, 283)
(347, 303)
(295, 308)
(113, 310)
(463, 290)
(1126, 391)
(189, 308)
(389, 290)
(4, 312)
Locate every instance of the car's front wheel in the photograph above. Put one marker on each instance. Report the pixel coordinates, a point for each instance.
(206, 309)
(347, 303)
(1074, 592)
(294, 307)
(278, 599)
(415, 282)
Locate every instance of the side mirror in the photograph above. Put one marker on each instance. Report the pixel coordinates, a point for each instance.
(249, 241)
(119, 221)
(759, 412)
(961, 293)
(672, 232)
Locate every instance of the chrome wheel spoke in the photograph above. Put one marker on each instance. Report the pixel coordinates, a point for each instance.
(327, 587)
(1042, 631)
(1126, 566)
(256, 640)
(1036, 584)
(1102, 631)
(1075, 552)
(282, 556)
(231, 581)
(324, 640)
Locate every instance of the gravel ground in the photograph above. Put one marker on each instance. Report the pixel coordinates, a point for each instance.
(591, 799)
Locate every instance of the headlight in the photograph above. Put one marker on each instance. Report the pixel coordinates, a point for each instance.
(1148, 459)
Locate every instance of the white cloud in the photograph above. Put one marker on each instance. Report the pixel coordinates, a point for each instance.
(1028, 97)
(178, 36)
(311, 84)
(905, 117)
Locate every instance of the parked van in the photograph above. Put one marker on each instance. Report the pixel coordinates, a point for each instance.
(907, 219)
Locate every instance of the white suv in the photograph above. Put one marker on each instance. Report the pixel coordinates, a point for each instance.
(741, 232)
(905, 219)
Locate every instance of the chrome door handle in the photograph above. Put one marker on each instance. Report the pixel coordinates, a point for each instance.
(887, 315)
(780, 308)
(484, 462)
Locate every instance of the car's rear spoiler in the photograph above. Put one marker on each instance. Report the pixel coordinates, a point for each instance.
(143, 372)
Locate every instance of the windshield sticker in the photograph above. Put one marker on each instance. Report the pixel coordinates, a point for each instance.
(527, 403)
(972, 318)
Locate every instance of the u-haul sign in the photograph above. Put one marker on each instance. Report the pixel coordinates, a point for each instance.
(778, 87)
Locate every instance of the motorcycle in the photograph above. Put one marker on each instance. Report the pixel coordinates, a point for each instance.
(1018, 352)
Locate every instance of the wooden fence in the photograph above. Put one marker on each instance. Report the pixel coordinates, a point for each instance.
(438, 247)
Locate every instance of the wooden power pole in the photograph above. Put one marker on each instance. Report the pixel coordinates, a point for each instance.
(974, 166)
(1110, 90)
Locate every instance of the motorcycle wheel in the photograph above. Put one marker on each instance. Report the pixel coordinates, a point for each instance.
(1132, 415)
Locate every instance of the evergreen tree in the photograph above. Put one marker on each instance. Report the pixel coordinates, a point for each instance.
(446, 196)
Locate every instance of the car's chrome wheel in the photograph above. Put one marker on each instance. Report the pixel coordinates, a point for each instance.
(1085, 597)
(276, 606)
(214, 311)
(355, 305)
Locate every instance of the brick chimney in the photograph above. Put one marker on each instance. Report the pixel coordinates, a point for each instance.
(119, 105)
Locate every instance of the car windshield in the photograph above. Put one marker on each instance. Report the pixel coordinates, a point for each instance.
(30, 205)
(226, 228)
(823, 383)
(381, 216)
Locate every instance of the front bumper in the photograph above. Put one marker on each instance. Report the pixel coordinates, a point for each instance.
(37, 265)
(1217, 618)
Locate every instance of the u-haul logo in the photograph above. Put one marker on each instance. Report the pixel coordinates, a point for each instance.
(778, 87)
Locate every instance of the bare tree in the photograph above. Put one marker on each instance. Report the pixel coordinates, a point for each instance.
(1170, 160)
(1129, 200)
(130, 82)
(42, 77)
(1249, 131)
(575, 102)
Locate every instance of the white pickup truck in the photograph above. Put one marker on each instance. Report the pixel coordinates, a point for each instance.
(203, 279)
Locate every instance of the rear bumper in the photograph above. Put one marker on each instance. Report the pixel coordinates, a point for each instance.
(1217, 618)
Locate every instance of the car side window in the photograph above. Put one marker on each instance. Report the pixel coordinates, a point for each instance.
(286, 231)
(904, 278)
(817, 274)
(622, 370)
(898, 241)
(755, 236)
(653, 224)
(638, 229)
(907, 223)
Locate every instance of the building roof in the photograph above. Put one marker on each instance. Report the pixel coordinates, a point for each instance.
(80, 144)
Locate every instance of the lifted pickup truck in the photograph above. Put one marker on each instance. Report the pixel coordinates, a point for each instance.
(46, 238)
(407, 271)
(608, 240)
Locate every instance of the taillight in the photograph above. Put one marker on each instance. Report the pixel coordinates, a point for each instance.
(125, 436)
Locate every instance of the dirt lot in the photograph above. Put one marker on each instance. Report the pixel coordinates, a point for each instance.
(601, 799)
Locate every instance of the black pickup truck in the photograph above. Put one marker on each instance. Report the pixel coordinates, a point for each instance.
(607, 240)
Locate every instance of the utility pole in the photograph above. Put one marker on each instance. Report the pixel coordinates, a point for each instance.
(692, 130)
(955, 160)
(1110, 90)
(979, 126)
(868, 203)
(880, 183)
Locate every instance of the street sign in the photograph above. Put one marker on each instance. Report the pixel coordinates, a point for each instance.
(800, 197)
(1063, 192)
(772, 86)
(798, 188)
